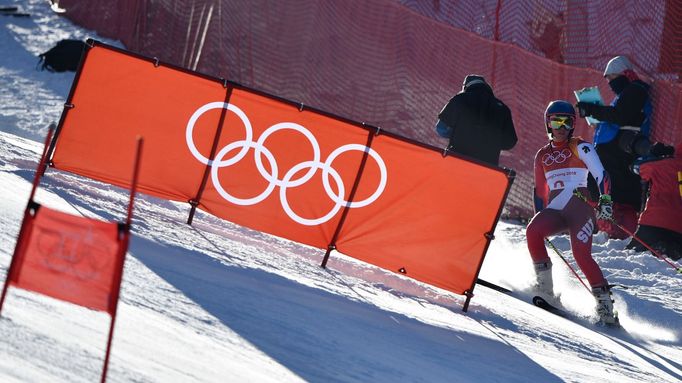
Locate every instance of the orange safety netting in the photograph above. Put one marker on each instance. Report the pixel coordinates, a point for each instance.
(395, 63)
(282, 168)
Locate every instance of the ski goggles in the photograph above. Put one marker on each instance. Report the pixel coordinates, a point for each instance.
(558, 122)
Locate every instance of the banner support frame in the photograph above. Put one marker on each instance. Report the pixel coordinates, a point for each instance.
(194, 203)
(68, 105)
(489, 236)
(351, 195)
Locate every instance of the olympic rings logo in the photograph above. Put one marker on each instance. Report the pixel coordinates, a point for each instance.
(288, 180)
(556, 157)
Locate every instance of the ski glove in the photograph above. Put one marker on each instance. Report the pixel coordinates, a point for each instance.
(585, 108)
(605, 208)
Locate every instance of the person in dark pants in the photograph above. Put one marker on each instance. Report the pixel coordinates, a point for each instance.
(477, 124)
(660, 224)
(620, 137)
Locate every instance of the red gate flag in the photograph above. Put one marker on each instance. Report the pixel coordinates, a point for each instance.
(282, 168)
(70, 258)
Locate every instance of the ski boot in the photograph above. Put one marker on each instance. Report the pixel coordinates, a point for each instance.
(545, 284)
(605, 306)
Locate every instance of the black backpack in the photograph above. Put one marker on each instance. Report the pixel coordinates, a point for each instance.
(62, 57)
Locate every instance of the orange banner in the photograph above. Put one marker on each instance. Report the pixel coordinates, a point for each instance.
(431, 221)
(277, 167)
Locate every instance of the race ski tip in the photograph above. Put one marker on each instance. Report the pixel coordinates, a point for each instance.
(543, 304)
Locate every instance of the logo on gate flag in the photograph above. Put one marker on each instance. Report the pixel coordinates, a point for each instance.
(80, 255)
(69, 258)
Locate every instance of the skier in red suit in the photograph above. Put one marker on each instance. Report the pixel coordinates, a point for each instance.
(561, 170)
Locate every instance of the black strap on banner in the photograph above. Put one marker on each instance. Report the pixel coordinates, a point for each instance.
(346, 209)
(196, 200)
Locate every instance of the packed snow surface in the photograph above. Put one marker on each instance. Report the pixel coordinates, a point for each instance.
(216, 302)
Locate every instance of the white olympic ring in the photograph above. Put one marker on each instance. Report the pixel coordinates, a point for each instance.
(272, 177)
(557, 157)
(328, 216)
(204, 109)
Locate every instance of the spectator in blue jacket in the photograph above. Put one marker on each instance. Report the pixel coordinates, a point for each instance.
(620, 137)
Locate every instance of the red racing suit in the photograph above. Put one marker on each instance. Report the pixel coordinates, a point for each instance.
(561, 171)
(664, 206)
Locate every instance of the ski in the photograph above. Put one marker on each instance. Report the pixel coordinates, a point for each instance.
(536, 301)
(13, 11)
(493, 286)
(55, 8)
(543, 304)
(54, 5)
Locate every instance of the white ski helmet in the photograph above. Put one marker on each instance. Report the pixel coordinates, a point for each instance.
(617, 65)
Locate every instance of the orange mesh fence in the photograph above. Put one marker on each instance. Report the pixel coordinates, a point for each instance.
(395, 63)
(279, 167)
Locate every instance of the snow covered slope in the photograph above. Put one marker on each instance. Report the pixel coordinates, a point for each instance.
(215, 302)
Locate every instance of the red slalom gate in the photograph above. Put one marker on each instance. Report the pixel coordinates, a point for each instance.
(74, 259)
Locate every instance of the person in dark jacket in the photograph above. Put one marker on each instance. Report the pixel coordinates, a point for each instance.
(477, 124)
(620, 137)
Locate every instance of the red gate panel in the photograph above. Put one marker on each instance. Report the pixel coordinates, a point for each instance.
(71, 258)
